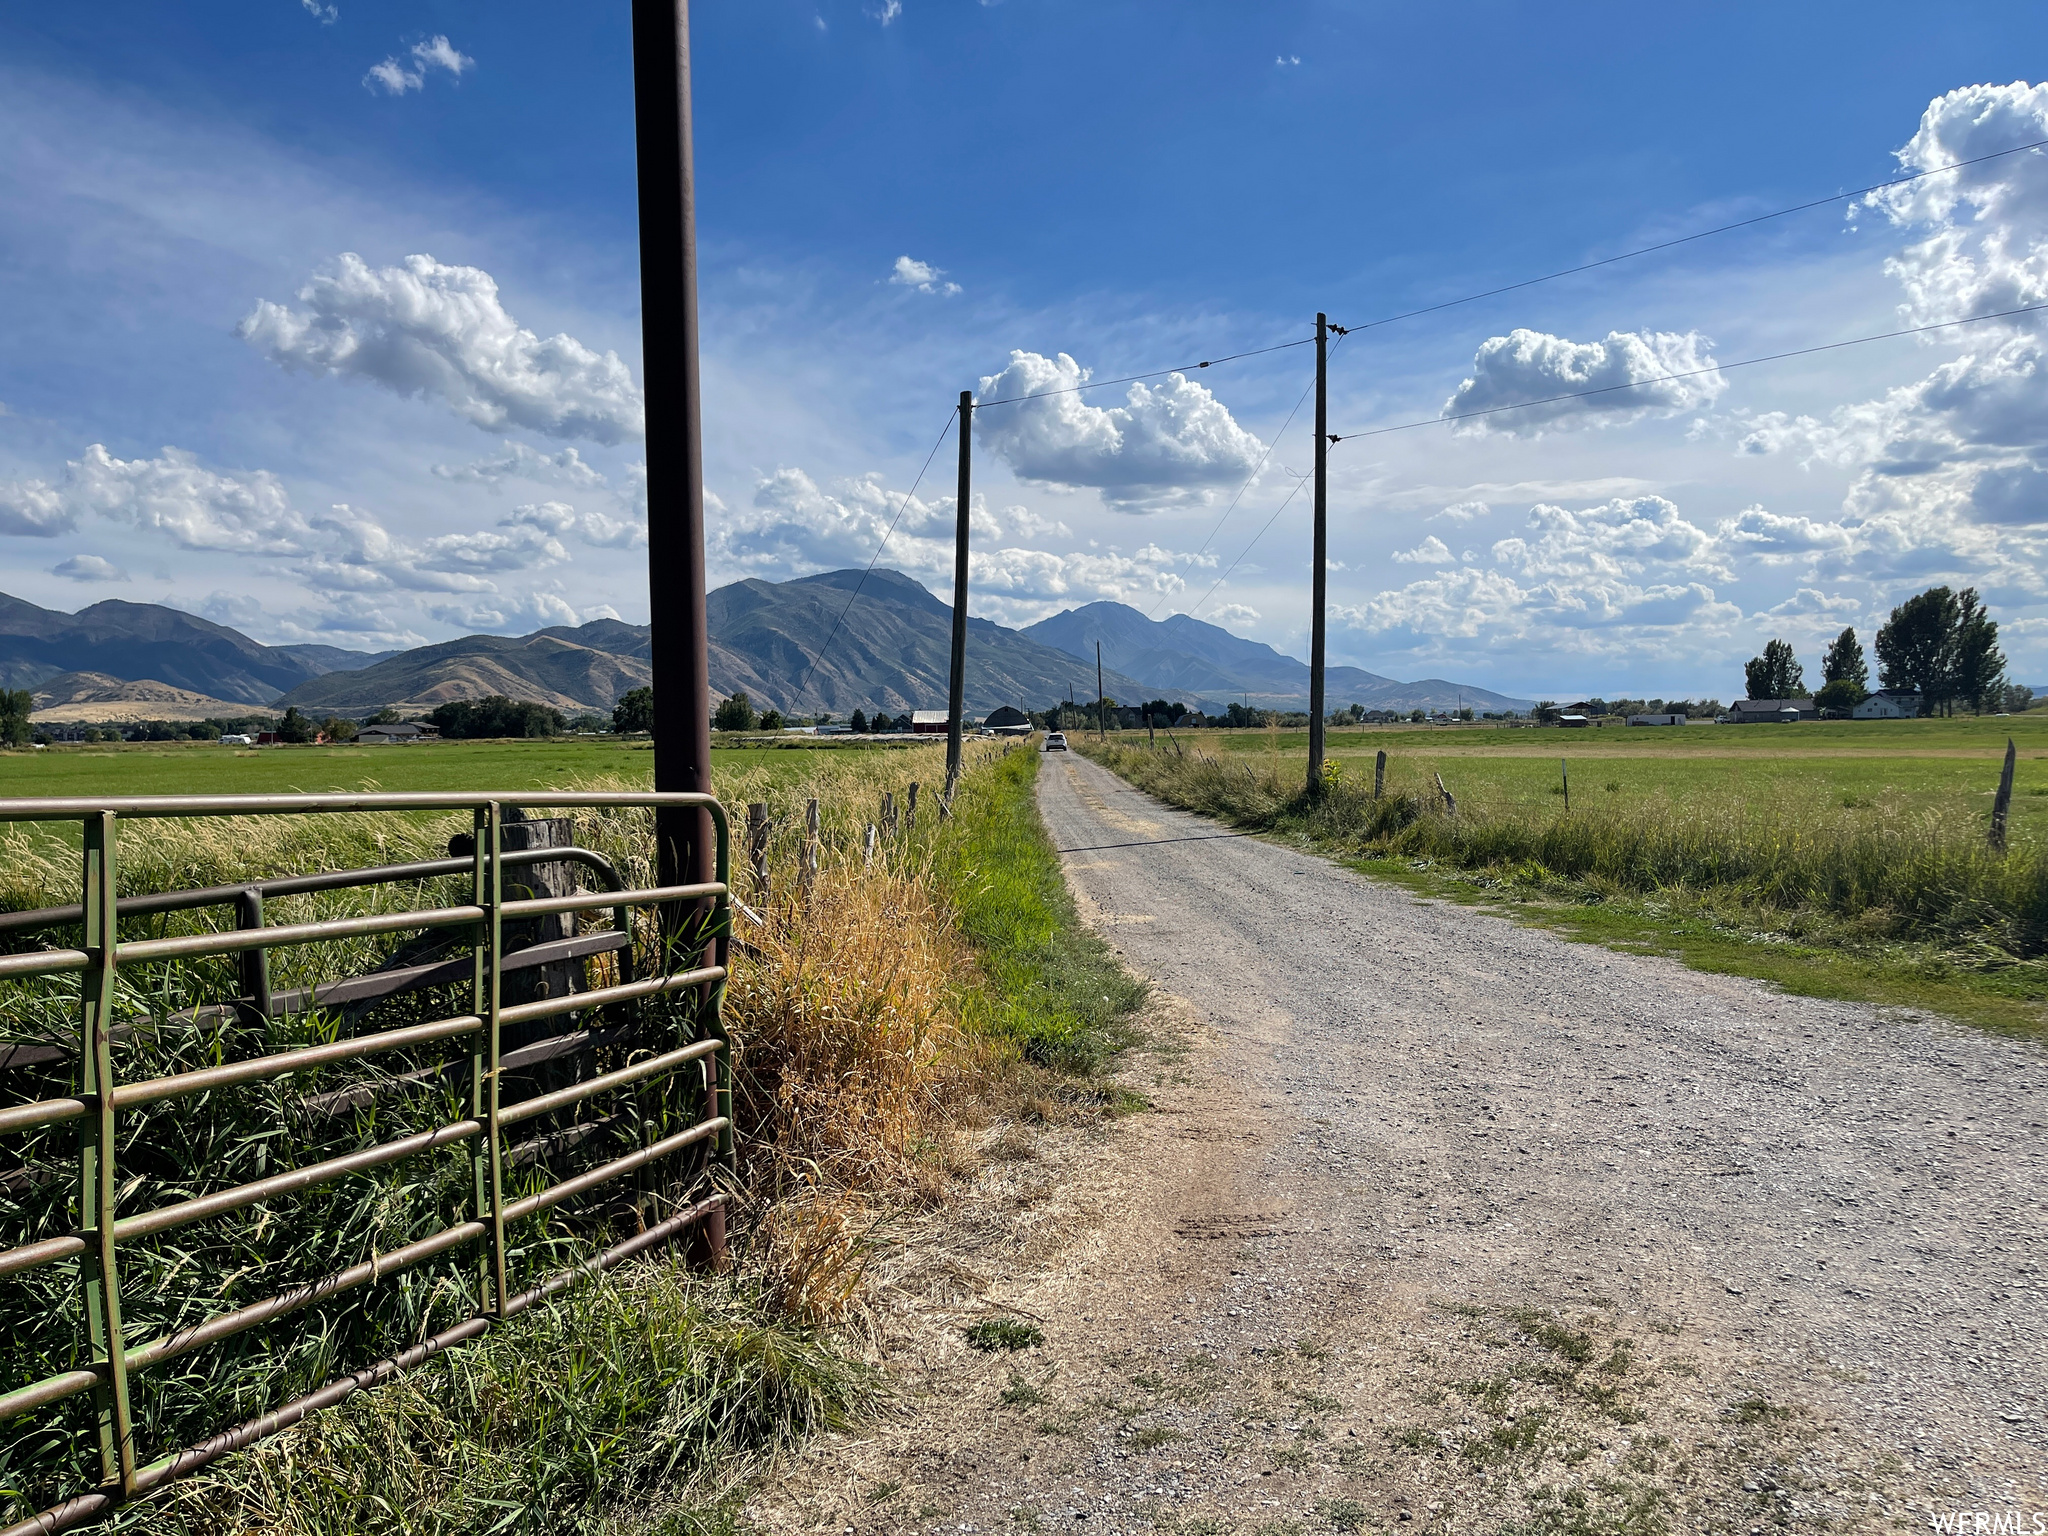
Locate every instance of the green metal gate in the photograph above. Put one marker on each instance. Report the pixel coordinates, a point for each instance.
(684, 938)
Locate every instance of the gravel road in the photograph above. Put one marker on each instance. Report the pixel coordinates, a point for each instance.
(1453, 1162)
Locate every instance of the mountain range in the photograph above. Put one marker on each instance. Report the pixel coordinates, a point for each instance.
(1207, 660)
(833, 642)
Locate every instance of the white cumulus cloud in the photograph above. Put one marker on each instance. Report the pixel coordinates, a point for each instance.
(425, 328)
(1431, 551)
(1526, 365)
(88, 568)
(524, 463)
(922, 276)
(326, 15)
(1169, 444)
(395, 76)
(1234, 615)
(173, 494)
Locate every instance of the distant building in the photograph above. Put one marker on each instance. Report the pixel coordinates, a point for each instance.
(1667, 719)
(1007, 720)
(233, 740)
(402, 733)
(929, 722)
(1574, 722)
(1770, 711)
(1889, 704)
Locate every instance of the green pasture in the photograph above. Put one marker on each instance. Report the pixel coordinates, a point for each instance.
(206, 768)
(1826, 768)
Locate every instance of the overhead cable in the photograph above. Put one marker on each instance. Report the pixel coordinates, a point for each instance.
(1692, 373)
(1298, 484)
(950, 419)
(1133, 378)
(1719, 229)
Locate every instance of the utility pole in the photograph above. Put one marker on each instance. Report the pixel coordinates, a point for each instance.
(1320, 567)
(675, 458)
(956, 686)
(1101, 698)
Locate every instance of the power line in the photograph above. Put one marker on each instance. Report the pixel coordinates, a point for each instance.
(1257, 470)
(1692, 373)
(950, 419)
(1719, 229)
(1133, 378)
(1248, 548)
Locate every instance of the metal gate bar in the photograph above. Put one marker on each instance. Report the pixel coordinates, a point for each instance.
(101, 1099)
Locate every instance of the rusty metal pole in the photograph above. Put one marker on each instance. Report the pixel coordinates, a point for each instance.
(956, 685)
(675, 465)
(1319, 568)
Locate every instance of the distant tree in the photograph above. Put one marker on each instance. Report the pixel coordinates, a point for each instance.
(859, 722)
(1839, 697)
(1844, 663)
(634, 711)
(1465, 713)
(385, 716)
(1978, 677)
(771, 719)
(734, 714)
(1776, 674)
(295, 727)
(336, 728)
(1916, 646)
(15, 707)
(1547, 711)
(2019, 698)
(1416, 716)
(495, 717)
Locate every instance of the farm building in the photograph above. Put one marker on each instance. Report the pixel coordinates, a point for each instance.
(1770, 711)
(1008, 720)
(399, 733)
(1574, 722)
(1665, 719)
(928, 722)
(1889, 704)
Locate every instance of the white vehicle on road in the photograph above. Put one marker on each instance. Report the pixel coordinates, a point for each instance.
(1055, 741)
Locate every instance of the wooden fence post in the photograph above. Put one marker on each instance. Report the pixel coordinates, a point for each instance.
(1379, 776)
(2002, 806)
(889, 812)
(1450, 804)
(910, 808)
(1564, 769)
(757, 847)
(868, 849)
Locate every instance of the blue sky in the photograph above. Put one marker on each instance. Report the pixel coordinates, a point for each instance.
(322, 319)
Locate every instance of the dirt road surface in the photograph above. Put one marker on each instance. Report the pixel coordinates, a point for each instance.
(1441, 1223)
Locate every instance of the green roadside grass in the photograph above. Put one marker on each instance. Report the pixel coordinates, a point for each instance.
(1057, 993)
(2011, 1000)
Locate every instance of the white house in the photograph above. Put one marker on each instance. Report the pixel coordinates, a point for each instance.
(1889, 704)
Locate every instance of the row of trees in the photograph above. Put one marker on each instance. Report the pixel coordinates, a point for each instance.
(1943, 644)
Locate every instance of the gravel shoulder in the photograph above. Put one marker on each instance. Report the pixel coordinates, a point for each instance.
(1443, 1223)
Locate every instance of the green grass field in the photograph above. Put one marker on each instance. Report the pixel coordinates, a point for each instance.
(205, 768)
(1818, 766)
